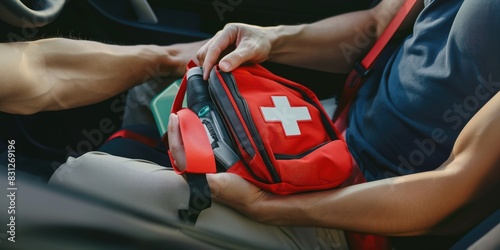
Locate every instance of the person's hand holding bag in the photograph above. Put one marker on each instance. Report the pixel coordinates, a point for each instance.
(253, 44)
(228, 189)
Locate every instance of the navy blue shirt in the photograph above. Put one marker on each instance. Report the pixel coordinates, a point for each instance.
(409, 113)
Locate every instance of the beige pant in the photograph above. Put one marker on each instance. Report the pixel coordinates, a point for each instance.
(149, 188)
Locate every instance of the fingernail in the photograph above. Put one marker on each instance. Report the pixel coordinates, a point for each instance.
(225, 66)
(172, 119)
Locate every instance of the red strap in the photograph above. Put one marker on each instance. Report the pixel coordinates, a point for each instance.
(179, 98)
(388, 33)
(134, 136)
(200, 158)
(351, 87)
(355, 78)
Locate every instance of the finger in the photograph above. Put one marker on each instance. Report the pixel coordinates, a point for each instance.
(222, 187)
(222, 41)
(247, 51)
(234, 59)
(228, 187)
(202, 52)
(175, 142)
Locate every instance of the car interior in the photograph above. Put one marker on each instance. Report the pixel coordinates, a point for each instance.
(120, 22)
(45, 140)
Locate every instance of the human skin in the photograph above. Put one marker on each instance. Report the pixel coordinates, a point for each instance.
(58, 73)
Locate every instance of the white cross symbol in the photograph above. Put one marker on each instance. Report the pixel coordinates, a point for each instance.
(284, 113)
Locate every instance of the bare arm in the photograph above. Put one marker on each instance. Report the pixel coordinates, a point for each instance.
(53, 74)
(333, 44)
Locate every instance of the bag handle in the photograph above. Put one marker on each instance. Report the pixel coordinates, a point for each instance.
(200, 158)
(388, 33)
(199, 155)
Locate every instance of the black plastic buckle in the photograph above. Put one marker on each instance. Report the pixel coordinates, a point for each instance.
(362, 72)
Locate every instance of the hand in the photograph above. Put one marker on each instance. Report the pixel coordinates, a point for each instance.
(228, 189)
(253, 44)
(175, 57)
(233, 191)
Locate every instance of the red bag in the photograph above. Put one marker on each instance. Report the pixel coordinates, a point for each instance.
(283, 140)
(297, 148)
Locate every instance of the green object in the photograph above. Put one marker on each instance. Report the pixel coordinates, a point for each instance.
(161, 105)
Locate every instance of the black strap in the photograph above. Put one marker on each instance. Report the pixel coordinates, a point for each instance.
(199, 198)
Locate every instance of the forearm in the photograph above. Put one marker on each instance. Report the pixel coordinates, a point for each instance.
(333, 44)
(62, 73)
(83, 72)
(404, 206)
(328, 45)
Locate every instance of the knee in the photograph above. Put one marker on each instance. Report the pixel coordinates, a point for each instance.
(72, 165)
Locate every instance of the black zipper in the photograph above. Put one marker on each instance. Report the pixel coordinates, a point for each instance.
(243, 107)
(324, 118)
(298, 156)
(225, 107)
(238, 152)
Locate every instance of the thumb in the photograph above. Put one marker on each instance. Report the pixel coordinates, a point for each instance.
(226, 65)
(220, 182)
(243, 53)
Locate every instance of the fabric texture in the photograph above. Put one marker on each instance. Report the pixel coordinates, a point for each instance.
(159, 190)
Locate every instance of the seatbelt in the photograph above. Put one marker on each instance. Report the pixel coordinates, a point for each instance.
(128, 134)
(362, 69)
